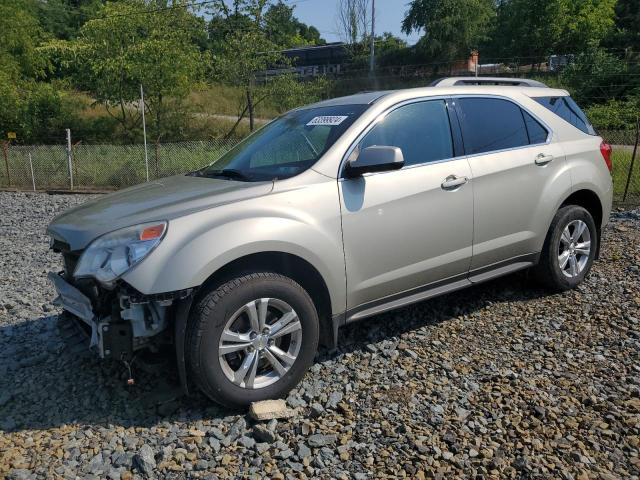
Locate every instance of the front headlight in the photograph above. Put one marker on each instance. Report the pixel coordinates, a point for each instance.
(110, 256)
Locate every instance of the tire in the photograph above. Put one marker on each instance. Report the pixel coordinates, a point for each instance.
(549, 272)
(225, 308)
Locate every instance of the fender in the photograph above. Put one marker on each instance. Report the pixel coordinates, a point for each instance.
(299, 222)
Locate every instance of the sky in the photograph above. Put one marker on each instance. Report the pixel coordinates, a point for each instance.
(322, 15)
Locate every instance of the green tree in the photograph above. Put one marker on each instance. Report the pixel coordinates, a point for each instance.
(63, 18)
(452, 28)
(133, 43)
(597, 76)
(20, 35)
(276, 21)
(537, 28)
(626, 34)
(285, 30)
(243, 56)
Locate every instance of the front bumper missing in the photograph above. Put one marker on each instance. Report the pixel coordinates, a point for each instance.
(116, 338)
(78, 304)
(71, 299)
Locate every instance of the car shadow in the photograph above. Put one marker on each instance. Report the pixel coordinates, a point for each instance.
(45, 383)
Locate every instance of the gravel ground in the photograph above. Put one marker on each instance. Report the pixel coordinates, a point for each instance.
(503, 380)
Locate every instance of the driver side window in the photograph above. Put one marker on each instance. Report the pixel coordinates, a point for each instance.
(421, 130)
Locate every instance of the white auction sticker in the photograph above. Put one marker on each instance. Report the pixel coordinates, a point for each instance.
(327, 120)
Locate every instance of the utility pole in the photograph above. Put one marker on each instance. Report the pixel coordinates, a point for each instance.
(144, 133)
(69, 160)
(372, 60)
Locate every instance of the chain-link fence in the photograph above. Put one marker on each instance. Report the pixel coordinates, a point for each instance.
(108, 167)
(626, 171)
(102, 167)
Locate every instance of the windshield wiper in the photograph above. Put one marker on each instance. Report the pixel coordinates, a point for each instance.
(226, 172)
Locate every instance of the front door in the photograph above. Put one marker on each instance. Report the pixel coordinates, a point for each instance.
(411, 227)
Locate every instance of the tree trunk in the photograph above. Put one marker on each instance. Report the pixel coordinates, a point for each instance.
(251, 112)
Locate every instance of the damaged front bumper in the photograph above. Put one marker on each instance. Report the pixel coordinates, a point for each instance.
(127, 323)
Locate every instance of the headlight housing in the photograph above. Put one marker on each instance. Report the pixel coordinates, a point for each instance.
(110, 256)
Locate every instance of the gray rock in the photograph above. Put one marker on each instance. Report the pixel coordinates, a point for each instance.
(215, 444)
(145, 460)
(316, 410)
(284, 454)
(320, 440)
(334, 399)
(262, 447)
(247, 442)
(96, 465)
(20, 474)
(263, 434)
(303, 451)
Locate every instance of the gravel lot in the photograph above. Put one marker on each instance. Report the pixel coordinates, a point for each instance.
(500, 381)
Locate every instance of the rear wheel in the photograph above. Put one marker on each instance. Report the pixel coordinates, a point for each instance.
(252, 338)
(569, 249)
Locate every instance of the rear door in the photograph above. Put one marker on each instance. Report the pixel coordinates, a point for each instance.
(517, 170)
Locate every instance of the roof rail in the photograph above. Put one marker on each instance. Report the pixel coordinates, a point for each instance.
(514, 82)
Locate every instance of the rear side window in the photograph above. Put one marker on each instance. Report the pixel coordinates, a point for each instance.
(421, 130)
(568, 110)
(537, 133)
(490, 124)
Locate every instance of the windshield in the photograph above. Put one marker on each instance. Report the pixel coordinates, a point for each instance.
(285, 147)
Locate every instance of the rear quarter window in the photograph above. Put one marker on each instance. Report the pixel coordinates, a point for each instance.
(568, 110)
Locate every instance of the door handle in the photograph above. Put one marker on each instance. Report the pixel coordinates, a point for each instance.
(453, 182)
(543, 159)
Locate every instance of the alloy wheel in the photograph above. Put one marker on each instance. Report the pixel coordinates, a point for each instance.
(260, 343)
(574, 249)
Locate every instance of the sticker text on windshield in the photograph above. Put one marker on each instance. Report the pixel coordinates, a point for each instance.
(328, 120)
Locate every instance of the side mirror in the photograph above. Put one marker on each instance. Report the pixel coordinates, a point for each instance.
(375, 159)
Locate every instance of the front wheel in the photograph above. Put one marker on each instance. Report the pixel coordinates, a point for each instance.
(569, 249)
(252, 338)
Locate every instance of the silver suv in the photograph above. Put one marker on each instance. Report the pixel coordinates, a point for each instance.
(330, 214)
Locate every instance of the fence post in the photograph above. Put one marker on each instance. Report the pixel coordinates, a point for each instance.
(144, 132)
(5, 151)
(633, 160)
(69, 159)
(33, 178)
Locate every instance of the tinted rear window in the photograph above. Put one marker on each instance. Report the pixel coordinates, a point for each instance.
(490, 124)
(568, 110)
(537, 133)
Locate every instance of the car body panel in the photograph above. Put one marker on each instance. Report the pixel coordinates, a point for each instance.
(589, 172)
(513, 199)
(163, 199)
(417, 233)
(301, 216)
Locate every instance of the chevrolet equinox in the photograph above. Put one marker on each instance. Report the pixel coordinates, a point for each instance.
(329, 214)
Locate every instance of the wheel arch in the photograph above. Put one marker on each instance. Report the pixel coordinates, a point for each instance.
(590, 201)
(290, 265)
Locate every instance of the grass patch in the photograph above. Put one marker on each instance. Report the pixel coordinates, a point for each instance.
(226, 100)
(621, 162)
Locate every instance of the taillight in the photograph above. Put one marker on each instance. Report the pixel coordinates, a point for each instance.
(605, 150)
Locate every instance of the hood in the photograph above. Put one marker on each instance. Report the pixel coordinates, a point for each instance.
(163, 199)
